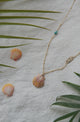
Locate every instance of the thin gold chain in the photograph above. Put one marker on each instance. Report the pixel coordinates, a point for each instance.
(70, 59)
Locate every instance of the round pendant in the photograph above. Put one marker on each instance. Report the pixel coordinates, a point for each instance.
(38, 81)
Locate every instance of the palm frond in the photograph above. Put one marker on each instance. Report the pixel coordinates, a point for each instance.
(24, 24)
(18, 37)
(71, 104)
(3, 65)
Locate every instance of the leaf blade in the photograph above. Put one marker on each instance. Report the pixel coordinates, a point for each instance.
(24, 24)
(18, 37)
(67, 104)
(13, 46)
(3, 65)
(25, 17)
(65, 116)
(79, 120)
(73, 97)
(77, 74)
(32, 11)
(76, 87)
(75, 114)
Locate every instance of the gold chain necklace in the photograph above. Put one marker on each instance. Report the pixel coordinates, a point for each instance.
(38, 81)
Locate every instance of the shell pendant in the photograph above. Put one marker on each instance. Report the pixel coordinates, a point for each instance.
(38, 81)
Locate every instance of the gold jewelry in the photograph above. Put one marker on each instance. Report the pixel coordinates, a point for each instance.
(38, 81)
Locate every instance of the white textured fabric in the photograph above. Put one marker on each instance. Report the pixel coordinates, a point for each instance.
(29, 104)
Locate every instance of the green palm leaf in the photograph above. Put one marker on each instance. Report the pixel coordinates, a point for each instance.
(79, 120)
(18, 37)
(76, 87)
(24, 24)
(25, 17)
(77, 74)
(32, 11)
(13, 46)
(73, 97)
(65, 116)
(66, 104)
(3, 65)
(69, 104)
(71, 120)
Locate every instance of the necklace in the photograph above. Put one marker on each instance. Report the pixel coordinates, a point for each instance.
(38, 81)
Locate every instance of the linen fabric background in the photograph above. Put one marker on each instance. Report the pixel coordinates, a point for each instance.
(30, 104)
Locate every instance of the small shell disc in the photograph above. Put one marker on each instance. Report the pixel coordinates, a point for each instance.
(16, 54)
(8, 89)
